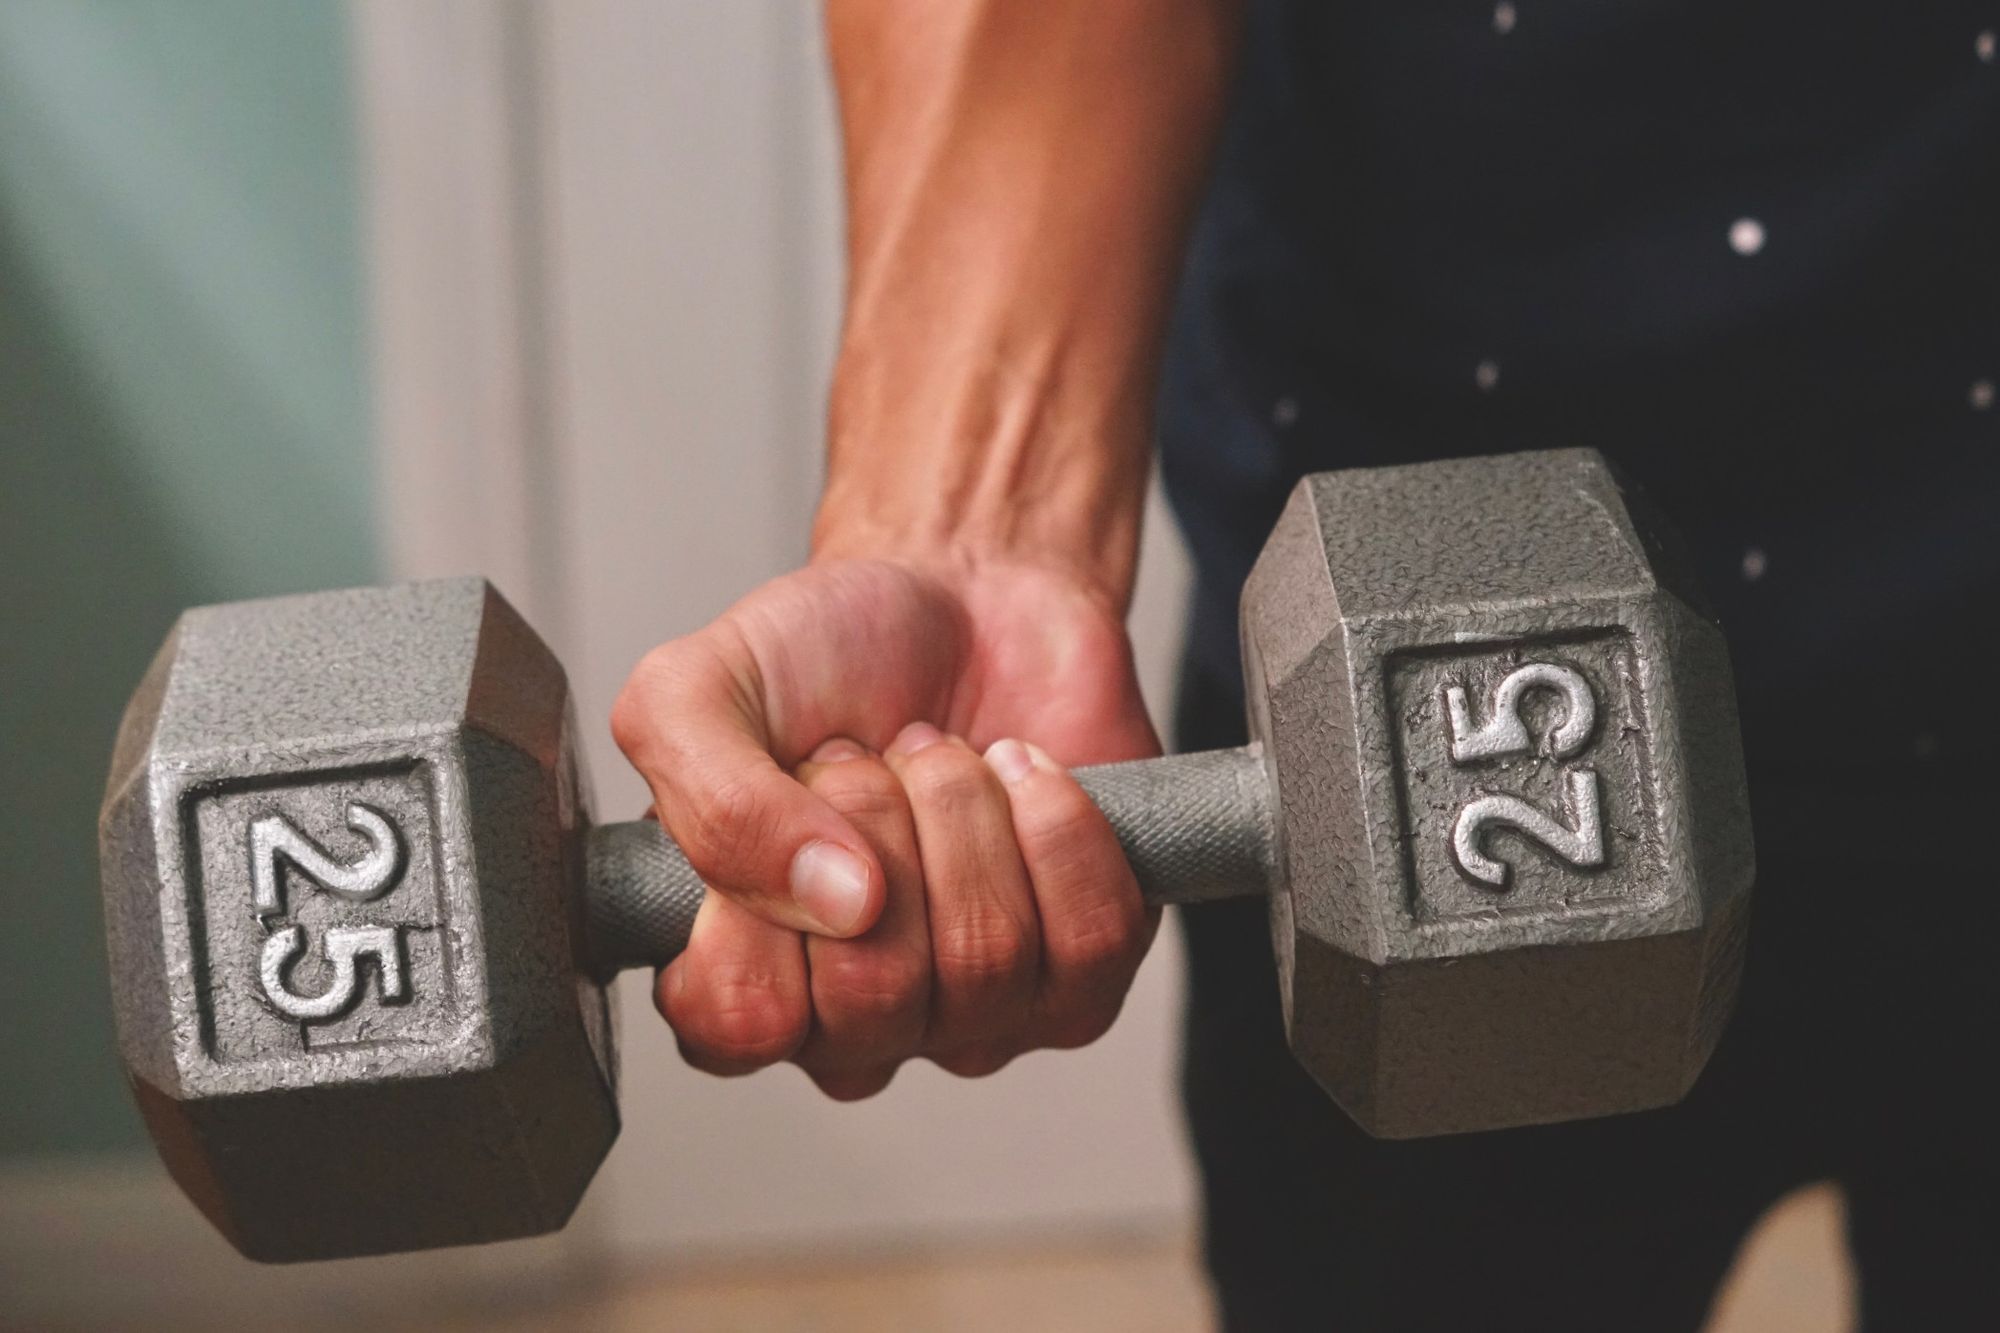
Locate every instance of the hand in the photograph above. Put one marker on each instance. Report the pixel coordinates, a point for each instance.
(881, 890)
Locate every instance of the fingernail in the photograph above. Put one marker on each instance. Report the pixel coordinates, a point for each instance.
(831, 883)
(1041, 757)
(915, 737)
(1010, 759)
(835, 750)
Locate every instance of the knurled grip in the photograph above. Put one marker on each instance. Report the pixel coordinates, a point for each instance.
(1195, 827)
(640, 896)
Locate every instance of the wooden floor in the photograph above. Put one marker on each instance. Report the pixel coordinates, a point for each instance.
(1791, 1278)
(116, 1251)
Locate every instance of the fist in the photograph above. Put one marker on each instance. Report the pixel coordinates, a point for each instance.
(864, 760)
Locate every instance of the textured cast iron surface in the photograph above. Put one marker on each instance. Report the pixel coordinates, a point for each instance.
(1425, 999)
(380, 785)
(464, 1091)
(641, 895)
(1195, 827)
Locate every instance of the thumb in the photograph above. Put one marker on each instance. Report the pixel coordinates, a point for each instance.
(692, 720)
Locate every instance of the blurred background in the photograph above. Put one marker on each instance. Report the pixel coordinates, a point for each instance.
(297, 295)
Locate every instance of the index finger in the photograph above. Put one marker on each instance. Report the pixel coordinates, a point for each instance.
(691, 720)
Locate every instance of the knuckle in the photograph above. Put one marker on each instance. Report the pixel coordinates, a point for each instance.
(974, 1061)
(947, 779)
(1102, 937)
(1065, 838)
(731, 821)
(705, 1061)
(752, 1033)
(987, 948)
(1060, 812)
(1085, 1024)
(852, 1085)
(698, 1057)
(740, 1018)
(862, 790)
(871, 985)
(632, 713)
(648, 694)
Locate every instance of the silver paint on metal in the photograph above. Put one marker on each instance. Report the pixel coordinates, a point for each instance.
(274, 837)
(345, 947)
(1581, 844)
(1505, 731)
(473, 1097)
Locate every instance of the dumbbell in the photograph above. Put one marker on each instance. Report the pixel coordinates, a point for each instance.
(360, 922)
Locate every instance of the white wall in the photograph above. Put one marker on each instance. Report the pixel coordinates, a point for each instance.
(606, 256)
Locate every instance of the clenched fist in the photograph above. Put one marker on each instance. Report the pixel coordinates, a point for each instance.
(865, 759)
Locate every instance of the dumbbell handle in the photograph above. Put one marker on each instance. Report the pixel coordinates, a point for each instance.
(1195, 827)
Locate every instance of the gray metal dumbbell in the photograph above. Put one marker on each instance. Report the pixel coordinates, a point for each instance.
(359, 920)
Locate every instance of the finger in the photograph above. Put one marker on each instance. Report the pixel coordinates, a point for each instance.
(736, 997)
(853, 1085)
(984, 937)
(1095, 926)
(870, 995)
(692, 721)
(978, 1060)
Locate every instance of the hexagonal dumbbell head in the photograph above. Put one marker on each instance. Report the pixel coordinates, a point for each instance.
(1497, 805)
(1515, 852)
(373, 791)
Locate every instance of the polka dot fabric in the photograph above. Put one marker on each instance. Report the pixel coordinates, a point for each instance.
(1752, 252)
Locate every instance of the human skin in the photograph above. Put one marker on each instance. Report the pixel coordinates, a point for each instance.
(867, 758)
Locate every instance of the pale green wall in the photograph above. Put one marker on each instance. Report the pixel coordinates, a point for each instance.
(183, 418)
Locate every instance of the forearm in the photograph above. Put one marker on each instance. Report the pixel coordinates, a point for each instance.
(1019, 178)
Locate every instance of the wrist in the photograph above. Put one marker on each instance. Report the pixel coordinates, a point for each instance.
(976, 459)
(952, 546)
(1086, 533)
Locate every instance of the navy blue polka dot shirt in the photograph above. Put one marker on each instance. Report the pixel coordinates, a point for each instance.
(1750, 251)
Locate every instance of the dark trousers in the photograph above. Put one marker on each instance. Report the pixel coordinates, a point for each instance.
(1864, 1028)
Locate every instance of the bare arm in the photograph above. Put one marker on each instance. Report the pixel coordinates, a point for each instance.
(865, 756)
(1019, 178)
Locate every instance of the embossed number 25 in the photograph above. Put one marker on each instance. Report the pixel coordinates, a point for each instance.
(276, 842)
(1581, 842)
